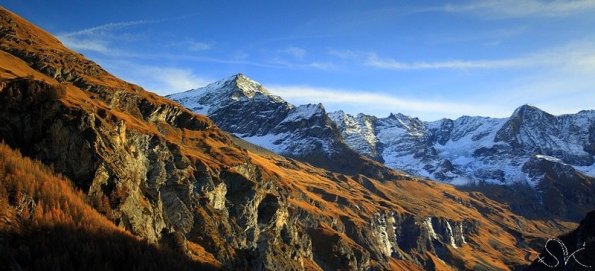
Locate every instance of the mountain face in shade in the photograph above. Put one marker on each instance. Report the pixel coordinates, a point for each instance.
(179, 191)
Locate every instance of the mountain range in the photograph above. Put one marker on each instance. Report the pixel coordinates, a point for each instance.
(517, 151)
(461, 151)
(98, 173)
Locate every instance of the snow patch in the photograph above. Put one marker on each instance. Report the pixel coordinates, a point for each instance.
(549, 158)
(304, 112)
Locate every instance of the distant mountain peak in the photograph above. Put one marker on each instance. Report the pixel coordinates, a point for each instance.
(526, 109)
(219, 94)
(237, 83)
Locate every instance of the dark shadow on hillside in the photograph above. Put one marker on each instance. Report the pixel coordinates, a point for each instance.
(63, 248)
(523, 200)
(348, 163)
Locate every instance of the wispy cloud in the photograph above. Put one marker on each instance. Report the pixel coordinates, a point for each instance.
(525, 8)
(198, 46)
(106, 40)
(374, 60)
(578, 56)
(170, 80)
(295, 52)
(304, 65)
(192, 45)
(104, 27)
(381, 102)
(98, 38)
(492, 37)
(162, 80)
(344, 54)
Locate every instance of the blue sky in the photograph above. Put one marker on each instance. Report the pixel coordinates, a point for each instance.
(429, 59)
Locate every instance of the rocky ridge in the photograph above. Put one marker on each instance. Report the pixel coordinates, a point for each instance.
(471, 149)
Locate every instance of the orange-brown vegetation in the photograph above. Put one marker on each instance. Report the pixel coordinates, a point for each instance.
(46, 224)
(318, 192)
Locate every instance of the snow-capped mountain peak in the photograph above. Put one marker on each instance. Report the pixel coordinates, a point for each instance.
(245, 85)
(245, 108)
(220, 94)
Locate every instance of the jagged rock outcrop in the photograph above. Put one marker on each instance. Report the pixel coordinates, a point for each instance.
(563, 190)
(359, 133)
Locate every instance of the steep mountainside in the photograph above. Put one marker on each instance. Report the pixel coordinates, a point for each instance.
(243, 107)
(168, 176)
(45, 224)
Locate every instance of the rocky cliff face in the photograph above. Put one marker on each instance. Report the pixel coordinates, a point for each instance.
(359, 133)
(171, 176)
(563, 190)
